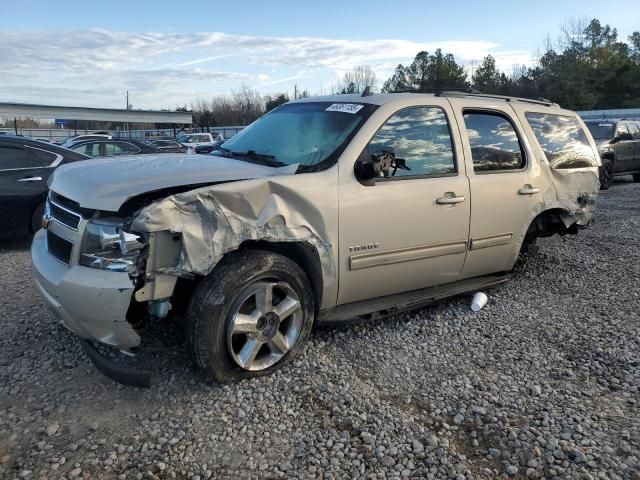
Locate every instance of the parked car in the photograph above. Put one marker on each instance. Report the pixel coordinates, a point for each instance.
(85, 136)
(25, 166)
(324, 211)
(111, 148)
(167, 146)
(199, 139)
(209, 148)
(619, 146)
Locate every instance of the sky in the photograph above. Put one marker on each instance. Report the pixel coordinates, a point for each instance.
(168, 54)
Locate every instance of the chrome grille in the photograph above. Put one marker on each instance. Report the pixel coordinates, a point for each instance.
(59, 247)
(64, 216)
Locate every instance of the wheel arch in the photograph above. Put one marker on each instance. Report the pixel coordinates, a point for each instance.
(303, 254)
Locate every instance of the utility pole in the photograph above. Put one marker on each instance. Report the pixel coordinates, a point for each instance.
(127, 124)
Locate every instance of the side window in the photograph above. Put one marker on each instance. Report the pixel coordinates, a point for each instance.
(113, 149)
(414, 141)
(127, 148)
(13, 157)
(495, 145)
(563, 140)
(42, 158)
(620, 129)
(91, 149)
(634, 130)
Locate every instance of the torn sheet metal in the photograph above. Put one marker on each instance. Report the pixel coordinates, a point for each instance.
(576, 193)
(215, 220)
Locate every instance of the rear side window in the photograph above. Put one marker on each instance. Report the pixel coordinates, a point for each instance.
(13, 157)
(495, 145)
(418, 139)
(564, 142)
(42, 158)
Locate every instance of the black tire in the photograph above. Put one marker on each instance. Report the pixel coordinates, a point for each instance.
(527, 250)
(636, 177)
(606, 174)
(217, 302)
(36, 218)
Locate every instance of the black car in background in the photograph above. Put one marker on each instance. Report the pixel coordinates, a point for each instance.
(111, 147)
(166, 145)
(25, 166)
(619, 146)
(209, 147)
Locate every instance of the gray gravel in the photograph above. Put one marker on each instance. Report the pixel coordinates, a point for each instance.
(543, 382)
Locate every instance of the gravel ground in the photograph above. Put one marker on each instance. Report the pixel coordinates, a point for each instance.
(543, 382)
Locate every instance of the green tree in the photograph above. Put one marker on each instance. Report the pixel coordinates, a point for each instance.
(273, 102)
(488, 79)
(428, 72)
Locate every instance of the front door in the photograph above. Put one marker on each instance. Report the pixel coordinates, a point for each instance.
(409, 229)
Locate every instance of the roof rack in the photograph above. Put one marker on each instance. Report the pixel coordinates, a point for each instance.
(506, 98)
(469, 92)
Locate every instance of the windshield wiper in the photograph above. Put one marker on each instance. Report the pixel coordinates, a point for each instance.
(263, 158)
(252, 155)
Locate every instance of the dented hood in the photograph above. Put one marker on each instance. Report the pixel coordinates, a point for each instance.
(106, 183)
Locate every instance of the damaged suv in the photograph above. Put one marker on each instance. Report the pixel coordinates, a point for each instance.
(325, 210)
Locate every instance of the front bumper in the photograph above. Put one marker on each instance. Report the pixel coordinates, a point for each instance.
(90, 302)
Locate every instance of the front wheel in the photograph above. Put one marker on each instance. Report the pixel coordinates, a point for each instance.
(606, 174)
(636, 177)
(251, 315)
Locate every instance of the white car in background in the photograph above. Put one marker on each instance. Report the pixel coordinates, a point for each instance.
(199, 139)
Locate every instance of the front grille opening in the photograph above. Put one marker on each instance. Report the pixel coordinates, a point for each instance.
(69, 219)
(59, 247)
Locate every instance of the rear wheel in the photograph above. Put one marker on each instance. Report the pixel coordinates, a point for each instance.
(251, 315)
(636, 177)
(606, 174)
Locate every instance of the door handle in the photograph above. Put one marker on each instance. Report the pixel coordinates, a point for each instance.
(31, 179)
(528, 190)
(449, 199)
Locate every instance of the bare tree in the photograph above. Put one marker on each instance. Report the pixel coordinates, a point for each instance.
(356, 80)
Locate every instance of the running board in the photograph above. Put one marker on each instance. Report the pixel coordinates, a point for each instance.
(391, 304)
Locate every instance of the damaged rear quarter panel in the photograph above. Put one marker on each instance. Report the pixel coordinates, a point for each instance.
(215, 220)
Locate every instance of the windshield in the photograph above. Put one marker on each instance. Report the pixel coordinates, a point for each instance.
(311, 134)
(183, 138)
(601, 130)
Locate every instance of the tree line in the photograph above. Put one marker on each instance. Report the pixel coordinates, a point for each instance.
(587, 68)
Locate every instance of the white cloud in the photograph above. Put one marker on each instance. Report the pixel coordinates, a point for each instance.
(166, 69)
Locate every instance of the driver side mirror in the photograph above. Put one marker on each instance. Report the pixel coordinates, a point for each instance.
(364, 170)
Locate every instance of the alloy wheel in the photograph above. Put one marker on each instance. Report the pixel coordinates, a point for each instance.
(264, 325)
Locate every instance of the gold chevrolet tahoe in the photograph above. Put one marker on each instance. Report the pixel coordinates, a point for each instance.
(325, 210)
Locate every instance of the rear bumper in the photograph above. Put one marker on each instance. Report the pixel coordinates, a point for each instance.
(90, 302)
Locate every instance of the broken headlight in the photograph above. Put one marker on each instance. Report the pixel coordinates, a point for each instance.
(109, 246)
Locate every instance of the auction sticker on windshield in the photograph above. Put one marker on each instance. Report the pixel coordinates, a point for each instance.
(345, 108)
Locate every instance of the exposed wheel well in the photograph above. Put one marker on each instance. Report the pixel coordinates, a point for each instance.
(550, 223)
(299, 252)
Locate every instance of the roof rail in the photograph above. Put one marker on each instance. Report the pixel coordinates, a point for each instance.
(506, 98)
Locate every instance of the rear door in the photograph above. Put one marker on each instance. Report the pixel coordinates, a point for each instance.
(23, 176)
(623, 150)
(504, 180)
(634, 130)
